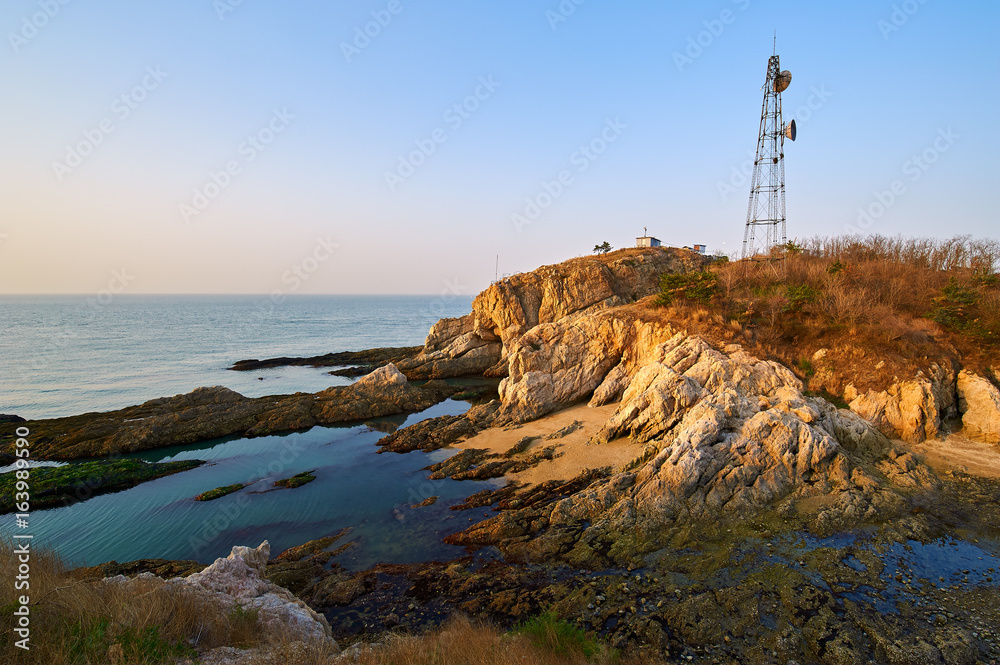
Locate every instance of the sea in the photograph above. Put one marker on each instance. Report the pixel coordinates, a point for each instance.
(68, 355)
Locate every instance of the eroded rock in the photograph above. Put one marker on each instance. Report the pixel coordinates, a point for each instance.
(239, 581)
(979, 403)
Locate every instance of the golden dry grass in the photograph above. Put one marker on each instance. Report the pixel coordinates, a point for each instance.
(85, 621)
(907, 302)
(465, 642)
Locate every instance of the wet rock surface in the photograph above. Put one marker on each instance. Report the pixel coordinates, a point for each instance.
(209, 413)
(436, 433)
(763, 590)
(369, 360)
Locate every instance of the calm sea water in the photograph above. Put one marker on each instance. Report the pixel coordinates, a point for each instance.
(64, 355)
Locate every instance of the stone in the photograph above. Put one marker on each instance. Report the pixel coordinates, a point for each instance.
(979, 404)
(238, 581)
(909, 410)
(384, 377)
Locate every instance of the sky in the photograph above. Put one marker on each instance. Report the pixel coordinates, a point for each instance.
(411, 146)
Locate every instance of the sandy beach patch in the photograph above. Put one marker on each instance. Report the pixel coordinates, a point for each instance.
(957, 453)
(577, 455)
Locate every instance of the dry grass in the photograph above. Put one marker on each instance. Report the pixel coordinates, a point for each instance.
(906, 302)
(465, 642)
(86, 621)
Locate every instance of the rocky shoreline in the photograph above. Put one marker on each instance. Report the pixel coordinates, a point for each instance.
(742, 518)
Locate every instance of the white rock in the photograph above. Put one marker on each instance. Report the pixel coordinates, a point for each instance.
(385, 376)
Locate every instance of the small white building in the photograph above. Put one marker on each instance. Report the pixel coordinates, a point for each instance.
(647, 240)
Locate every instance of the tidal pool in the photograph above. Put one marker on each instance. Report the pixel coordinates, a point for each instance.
(355, 487)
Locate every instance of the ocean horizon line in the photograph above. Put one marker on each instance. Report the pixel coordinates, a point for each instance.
(90, 294)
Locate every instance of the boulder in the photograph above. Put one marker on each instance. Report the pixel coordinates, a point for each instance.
(979, 403)
(238, 581)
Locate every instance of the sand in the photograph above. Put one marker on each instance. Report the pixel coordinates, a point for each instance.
(577, 454)
(957, 453)
(952, 453)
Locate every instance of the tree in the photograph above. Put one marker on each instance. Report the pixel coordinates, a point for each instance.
(603, 248)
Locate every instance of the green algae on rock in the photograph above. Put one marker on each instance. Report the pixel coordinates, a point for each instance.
(219, 492)
(298, 480)
(72, 483)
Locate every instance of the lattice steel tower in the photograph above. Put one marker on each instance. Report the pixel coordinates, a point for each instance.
(765, 228)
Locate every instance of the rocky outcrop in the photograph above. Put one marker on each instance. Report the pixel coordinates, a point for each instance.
(208, 413)
(481, 341)
(592, 354)
(909, 410)
(238, 581)
(726, 435)
(454, 348)
(979, 403)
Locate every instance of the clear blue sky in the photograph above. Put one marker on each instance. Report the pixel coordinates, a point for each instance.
(879, 95)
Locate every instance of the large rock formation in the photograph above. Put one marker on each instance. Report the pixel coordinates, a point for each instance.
(910, 410)
(726, 434)
(481, 341)
(979, 403)
(208, 413)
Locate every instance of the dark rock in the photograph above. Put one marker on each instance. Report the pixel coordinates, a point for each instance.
(370, 358)
(311, 549)
(160, 567)
(435, 433)
(209, 413)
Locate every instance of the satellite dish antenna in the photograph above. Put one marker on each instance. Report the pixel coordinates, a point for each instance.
(782, 81)
(790, 131)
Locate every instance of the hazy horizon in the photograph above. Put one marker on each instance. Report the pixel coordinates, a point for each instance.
(217, 148)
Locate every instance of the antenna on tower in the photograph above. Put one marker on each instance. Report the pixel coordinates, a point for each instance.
(765, 227)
